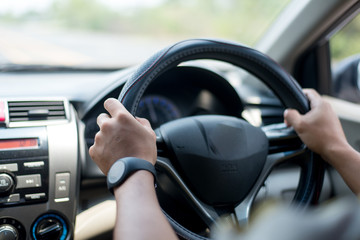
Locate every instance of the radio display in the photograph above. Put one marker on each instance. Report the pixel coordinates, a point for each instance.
(18, 143)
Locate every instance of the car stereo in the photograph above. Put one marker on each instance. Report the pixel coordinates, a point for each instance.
(24, 167)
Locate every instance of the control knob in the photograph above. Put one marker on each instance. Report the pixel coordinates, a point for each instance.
(8, 232)
(50, 226)
(6, 183)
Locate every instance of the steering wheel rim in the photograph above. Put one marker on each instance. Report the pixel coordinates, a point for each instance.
(258, 64)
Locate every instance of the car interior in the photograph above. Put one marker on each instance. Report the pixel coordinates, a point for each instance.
(191, 91)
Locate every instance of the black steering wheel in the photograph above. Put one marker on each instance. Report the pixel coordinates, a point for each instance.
(221, 161)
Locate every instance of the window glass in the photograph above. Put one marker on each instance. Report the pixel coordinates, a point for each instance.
(122, 32)
(345, 59)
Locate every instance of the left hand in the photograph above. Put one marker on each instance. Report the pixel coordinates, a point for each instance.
(121, 135)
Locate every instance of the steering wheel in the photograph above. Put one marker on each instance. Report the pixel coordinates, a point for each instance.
(220, 161)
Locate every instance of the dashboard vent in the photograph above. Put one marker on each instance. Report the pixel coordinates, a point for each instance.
(20, 111)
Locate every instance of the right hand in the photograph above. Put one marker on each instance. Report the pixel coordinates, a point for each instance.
(121, 135)
(320, 128)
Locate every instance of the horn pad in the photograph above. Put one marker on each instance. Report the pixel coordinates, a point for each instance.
(219, 157)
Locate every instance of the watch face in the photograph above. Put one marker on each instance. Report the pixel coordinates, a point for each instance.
(116, 171)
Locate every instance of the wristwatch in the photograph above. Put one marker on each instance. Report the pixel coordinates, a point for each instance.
(124, 167)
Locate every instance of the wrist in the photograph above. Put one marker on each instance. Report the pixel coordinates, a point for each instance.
(334, 153)
(139, 180)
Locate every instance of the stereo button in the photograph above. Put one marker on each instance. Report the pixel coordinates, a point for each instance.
(10, 199)
(28, 181)
(35, 196)
(14, 198)
(31, 165)
(62, 187)
(13, 167)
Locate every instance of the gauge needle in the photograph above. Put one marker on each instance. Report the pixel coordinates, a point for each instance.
(152, 112)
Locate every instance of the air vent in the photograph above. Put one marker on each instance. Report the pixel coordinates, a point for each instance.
(20, 111)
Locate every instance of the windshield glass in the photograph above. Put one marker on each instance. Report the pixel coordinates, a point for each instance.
(112, 33)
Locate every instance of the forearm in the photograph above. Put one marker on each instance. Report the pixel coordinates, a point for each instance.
(346, 161)
(138, 212)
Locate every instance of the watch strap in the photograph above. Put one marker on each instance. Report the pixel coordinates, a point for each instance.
(124, 167)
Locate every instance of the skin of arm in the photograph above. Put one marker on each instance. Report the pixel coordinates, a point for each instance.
(321, 130)
(139, 215)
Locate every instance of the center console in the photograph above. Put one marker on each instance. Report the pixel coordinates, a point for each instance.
(39, 167)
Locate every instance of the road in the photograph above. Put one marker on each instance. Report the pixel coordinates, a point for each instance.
(44, 45)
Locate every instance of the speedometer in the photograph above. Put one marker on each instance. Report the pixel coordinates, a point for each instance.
(157, 109)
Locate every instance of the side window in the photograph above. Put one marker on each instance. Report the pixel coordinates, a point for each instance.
(345, 62)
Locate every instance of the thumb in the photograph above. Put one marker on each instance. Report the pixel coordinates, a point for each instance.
(292, 118)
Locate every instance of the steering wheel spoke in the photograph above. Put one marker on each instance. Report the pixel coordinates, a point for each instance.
(281, 138)
(242, 211)
(207, 213)
(160, 144)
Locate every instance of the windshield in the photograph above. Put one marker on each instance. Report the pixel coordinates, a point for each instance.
(112, 33)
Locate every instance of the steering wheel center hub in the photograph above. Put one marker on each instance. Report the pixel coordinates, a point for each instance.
(220, 157)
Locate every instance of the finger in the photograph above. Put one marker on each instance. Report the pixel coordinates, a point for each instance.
(114, 107)
(310, 90)
(92, 152)
(292, 117)
(102, 118)
(313, 96)
(144, 122)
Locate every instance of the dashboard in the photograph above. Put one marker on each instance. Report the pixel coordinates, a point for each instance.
(48, 122)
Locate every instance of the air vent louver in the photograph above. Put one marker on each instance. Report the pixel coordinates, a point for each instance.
(20, 111)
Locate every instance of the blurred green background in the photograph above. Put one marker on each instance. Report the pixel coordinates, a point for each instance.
(243, 21)
(347, 41)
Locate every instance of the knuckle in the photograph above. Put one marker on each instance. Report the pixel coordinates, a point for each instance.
(106, 126)
(122, 117)
(301, 126)
(92, 152)
(100, 117)
(97, 138)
